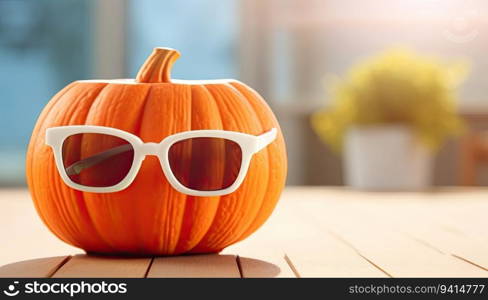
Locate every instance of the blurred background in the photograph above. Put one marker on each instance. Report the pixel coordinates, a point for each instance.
(284, 49)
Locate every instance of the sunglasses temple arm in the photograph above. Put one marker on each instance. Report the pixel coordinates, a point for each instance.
(88, 162)
(265, 139)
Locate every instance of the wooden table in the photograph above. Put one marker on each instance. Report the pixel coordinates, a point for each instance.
(314, 232)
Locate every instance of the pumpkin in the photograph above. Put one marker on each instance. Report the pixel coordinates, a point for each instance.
(150, 217)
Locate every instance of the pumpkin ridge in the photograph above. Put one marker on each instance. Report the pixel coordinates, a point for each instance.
(165, 202)
(257, 101)
(263, 198)
(29, 166)
(137, 132)
(194, 205)
(236, 224)
(111, 100)
(61, 212)
(145, 243)
(174, 211)
(87, 218)
(204, 236)
(182, 235)
(165, 209)
(59, 206)
(229, 224)
(210, 230)
(164, 245)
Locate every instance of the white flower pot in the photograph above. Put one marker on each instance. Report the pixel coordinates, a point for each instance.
(386, 158)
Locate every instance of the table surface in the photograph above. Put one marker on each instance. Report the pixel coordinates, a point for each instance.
(314, 232)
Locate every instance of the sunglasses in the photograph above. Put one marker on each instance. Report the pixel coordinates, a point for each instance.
(199, 162)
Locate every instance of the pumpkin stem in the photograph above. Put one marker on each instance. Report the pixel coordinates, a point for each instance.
(157, 67)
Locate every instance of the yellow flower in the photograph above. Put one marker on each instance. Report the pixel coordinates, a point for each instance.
(396, 87)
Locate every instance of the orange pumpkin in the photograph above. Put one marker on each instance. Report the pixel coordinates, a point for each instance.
(150, 217)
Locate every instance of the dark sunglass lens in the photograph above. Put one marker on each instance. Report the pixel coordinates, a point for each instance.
(205, 164)
(97, 160)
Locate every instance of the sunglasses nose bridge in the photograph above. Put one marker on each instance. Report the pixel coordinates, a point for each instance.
(150, 149)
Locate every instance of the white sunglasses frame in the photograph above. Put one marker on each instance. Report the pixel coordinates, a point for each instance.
(249, 144)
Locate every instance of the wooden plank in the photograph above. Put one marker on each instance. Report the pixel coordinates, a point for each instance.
(41, 268)
(312, 252)
(265, 267)
(373, 237)
(459, 246)
(403, 257)
(325, 257)
(191, 266)
(259, 259)
(437, 222)
(434, 227)
(80, 266)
